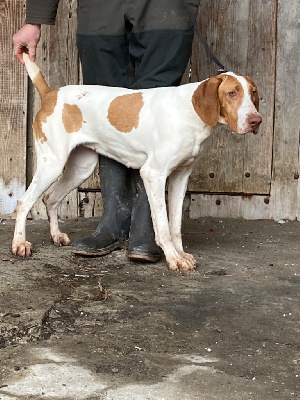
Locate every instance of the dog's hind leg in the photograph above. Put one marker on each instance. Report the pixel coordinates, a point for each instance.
(177, 185)
(48, 170)
(80, 165)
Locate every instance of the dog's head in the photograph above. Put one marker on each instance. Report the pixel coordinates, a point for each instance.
(229, 99)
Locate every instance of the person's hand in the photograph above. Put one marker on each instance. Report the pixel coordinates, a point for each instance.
(26, 40)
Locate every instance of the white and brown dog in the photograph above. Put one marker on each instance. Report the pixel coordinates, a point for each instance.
(159, 131)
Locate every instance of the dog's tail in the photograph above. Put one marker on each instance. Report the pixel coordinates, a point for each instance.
(36, 76)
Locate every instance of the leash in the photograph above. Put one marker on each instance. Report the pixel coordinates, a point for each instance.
(209, 52)
(203, 41)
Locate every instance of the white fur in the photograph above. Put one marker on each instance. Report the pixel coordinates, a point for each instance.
(31, 67)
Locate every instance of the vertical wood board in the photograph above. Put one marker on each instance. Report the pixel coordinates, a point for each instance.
(285, 187)
(13, 108)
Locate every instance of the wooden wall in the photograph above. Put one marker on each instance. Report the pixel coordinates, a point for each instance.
(254, 176)
(250, 176)
(13, 110)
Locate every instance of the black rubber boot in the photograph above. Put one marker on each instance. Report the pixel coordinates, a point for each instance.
(142, 245)
(113, 229)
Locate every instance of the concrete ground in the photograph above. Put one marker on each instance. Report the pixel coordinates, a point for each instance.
(107, 328)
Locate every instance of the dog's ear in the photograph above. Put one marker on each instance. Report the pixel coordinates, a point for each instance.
(206, 100)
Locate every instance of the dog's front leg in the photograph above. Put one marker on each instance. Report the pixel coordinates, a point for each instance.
(155, 183)
(177, 185)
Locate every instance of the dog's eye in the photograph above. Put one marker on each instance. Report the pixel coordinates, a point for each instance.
(232, 94)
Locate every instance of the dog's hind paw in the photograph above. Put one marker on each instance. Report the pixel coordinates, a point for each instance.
(21, 249)
(61, 239)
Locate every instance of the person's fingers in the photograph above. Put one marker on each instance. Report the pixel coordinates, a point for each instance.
(32, 52)
(19, 50)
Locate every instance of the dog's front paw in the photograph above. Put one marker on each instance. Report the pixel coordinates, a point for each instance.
(21, 249)
(61, 239)
(186, 262)
(189, 258)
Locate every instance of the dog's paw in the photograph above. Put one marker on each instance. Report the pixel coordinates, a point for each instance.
(61, 239)
(22, 249)
(189, 257)
(186, 262)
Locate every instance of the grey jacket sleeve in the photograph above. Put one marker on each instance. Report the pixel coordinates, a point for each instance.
(41, 11)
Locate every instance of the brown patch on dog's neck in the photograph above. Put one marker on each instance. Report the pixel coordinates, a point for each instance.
(124, 111)
(72, 118)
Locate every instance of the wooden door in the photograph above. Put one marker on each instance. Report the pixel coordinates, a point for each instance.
(241, 34)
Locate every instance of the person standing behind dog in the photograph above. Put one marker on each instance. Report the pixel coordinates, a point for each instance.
(136, 44)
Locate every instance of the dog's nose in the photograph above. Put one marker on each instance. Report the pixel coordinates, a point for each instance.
(254, 121)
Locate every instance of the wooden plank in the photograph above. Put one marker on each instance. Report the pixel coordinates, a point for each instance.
(90, 204)
(226, 206)
(13, 99)
(241, 35)
(285, 188)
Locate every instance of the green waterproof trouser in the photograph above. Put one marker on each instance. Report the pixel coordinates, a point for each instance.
(128, 43)
(136, 44)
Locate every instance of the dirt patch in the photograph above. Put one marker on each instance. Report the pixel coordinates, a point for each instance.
(136, 323)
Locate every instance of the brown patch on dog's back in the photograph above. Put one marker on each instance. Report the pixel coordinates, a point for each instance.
(124, 111)
(72, 118)
(49, 100)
